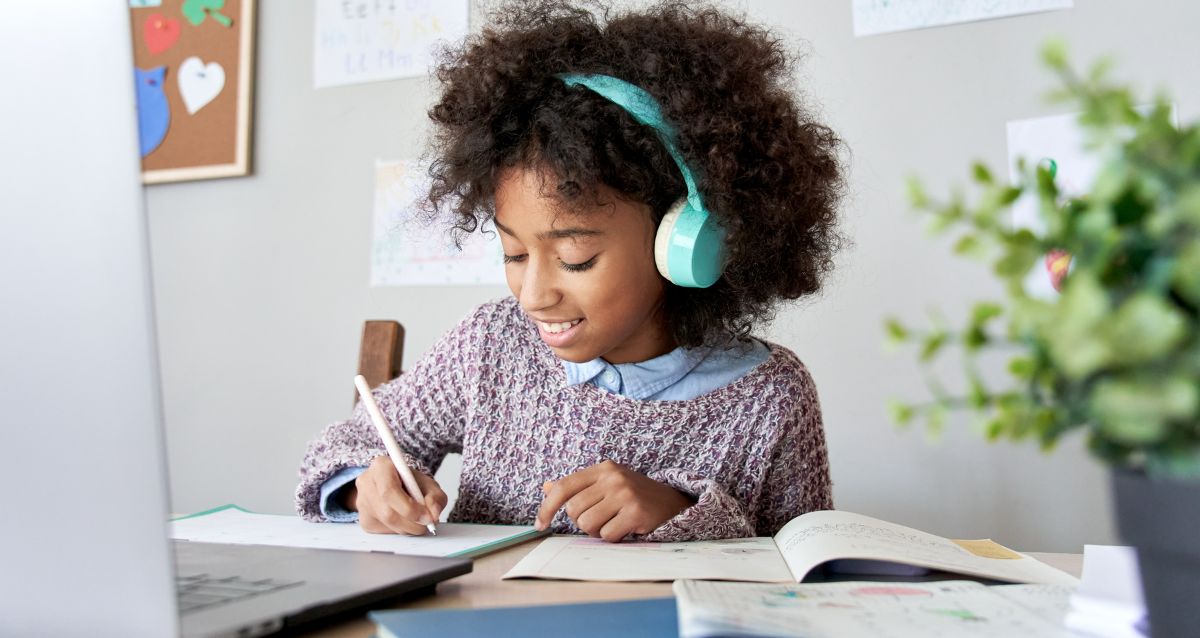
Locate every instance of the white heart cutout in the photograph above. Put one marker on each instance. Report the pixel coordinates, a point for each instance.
(199, 83)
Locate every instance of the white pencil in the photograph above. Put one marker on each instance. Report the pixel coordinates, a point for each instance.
(393, 448)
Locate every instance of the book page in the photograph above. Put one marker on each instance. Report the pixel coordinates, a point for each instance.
(1051, 602)
(816, 537)
(945, 609)
(239, 527)
(582, 558)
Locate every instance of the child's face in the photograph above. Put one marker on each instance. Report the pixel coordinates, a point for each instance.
(587, 280)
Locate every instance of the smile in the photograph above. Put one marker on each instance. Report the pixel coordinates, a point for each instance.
(555, 328)
(559, 334)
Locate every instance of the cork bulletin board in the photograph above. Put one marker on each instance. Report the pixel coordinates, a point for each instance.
(194, 64)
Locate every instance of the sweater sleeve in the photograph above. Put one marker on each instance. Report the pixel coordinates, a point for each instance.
(796, 481)
(715, 514)
(426, 408)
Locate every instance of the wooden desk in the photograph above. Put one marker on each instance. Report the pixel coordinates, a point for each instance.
(483, 588)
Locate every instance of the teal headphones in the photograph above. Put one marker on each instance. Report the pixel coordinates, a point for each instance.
(689, 247)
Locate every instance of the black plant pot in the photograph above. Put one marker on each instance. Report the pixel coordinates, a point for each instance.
(1162, 520)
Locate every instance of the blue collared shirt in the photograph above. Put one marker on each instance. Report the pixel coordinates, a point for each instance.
(679, 375)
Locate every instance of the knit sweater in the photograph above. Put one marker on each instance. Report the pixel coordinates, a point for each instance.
(752, 454)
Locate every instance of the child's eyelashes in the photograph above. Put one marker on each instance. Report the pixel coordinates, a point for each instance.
(580, 267)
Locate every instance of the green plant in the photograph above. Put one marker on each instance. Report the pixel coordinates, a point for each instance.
(1117, 354)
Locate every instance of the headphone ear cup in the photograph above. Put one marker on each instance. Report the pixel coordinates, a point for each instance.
(689, 247)
(662, 238)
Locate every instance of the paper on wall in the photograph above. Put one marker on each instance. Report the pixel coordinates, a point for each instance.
(407, 252)
(1061, 139)
(358, 41)
(1040, 139)
(199, 83)
(872, 17)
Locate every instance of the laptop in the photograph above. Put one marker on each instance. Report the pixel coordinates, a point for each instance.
(83, 538)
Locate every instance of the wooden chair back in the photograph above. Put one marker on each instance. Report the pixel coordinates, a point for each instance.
(381, 352)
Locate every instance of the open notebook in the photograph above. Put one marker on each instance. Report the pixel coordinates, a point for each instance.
(880, 610)
(804, 543)
(234, 525)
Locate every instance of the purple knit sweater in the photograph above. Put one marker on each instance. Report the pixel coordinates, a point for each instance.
(752, 453)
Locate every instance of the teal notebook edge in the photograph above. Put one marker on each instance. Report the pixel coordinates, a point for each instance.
(497, 545)
(219, 508)
(647, 618)
(474, 552)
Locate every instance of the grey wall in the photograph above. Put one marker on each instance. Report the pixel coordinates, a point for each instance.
(261, 282)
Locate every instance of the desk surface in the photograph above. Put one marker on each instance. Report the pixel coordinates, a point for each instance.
(483, 588)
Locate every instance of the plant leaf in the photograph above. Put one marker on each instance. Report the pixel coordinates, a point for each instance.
(916, 194)
(902, 414)
(933, 344)
(1054, 54)
(895, 330)
(1073, 334)
(1136, 411)
(1146, 327)
(985, 311)
(981, 173)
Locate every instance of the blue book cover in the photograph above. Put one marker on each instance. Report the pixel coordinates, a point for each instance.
(653, 618)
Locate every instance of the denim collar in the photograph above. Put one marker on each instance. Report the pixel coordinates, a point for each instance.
(637, 380)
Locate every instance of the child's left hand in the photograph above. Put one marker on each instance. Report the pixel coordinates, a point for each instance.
(611, 501)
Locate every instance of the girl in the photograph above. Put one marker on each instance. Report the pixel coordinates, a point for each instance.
(617, 392)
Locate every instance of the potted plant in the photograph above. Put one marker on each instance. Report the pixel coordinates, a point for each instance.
(1116, 354)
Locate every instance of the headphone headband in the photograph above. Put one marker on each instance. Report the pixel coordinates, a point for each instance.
(644, 108)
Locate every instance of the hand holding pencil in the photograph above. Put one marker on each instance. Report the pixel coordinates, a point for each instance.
(390, 497)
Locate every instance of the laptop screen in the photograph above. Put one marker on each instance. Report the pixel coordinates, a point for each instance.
(83, 539)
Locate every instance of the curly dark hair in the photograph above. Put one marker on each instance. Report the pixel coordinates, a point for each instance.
(765, 167)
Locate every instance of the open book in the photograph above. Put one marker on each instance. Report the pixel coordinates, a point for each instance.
(804, 543)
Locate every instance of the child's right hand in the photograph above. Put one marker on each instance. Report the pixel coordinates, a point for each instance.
(384, 506)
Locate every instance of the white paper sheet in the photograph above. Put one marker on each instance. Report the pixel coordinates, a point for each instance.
(946, 609)
(368, 40)
(579, 558)
(1109, 600)
(872, 17)
(237, 527)
(408, 252)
